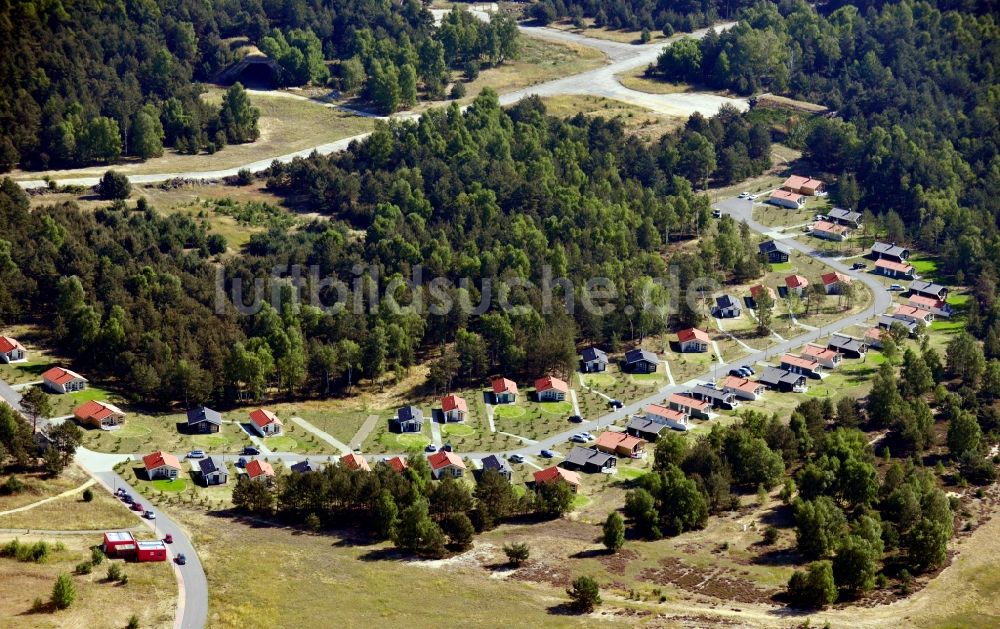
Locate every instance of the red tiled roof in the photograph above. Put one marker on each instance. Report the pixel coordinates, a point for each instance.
(832, 228)
(785, 194)
(256, 468)
(798, 361)
(690, 402)
(818, 352)
(798, 181)
(927, 302)
(911, 311)
(8, 344)
(96, 410)
(663, 411)
(834, 277)
(550, 382)
(60, 376)
(444, 458)
(893, 265)
(159, 459)
(262, 417)
(354, 461)
(453, 402)
(397, 463)
(741, 384)
(611, 440)
(503, 385)
(550, 474)
(692, 333)
(755, 291)
(796, 281)
(873, 333)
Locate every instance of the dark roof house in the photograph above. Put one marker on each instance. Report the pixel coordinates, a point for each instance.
(726, 307)
(589, 460)
(497, 464)
(774, 251)
(204, 419)
(641, 361)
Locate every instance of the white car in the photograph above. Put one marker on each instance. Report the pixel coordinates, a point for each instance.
(744, 195)
(753, 197)
(589, 436)
(578, 438)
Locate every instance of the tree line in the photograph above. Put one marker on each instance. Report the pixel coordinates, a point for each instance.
(637, 15)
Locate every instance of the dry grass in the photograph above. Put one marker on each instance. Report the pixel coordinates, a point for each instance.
(636, 120)
(624, 37)
(636, 79)
(151, 592)
(39, 487)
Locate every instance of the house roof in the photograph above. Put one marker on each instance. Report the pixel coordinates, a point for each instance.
(844, 215)
(7, 344)
(773, 375)
(920, 286)
(773, 245)
(799, 361)
(494, 462)
(354, 461)
(454, 403)
(443, 458)
(94, 409)
(741, 384)
(550, 382)
(709, 392)
(910, 311)
(901, 267)
(798, 181)
(592, 353)
(831, 228)
(584, 456)
(690, 402)
(887, 321)
(212, 464)
(397, 463)
(691, 334)
(796, 281)
(642, 424)
(60, 376)
(638, 354)
(663, 411)
(160, 459)
(842, 341)
(788, 196)
(834, 277)
(819, 352)
(757, 289)
(927, 302)
(256, 468)
(262, 417)
(503, 385)
(408, 413)
(726, 301)
(612, 439)
(203, 414)
(889, 249)
(550, 474)
(873, 332)
(303, 466)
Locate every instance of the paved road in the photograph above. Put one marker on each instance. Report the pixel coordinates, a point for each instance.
(11, 397)
(598, 82)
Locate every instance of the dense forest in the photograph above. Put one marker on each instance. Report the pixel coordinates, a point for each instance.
(87, 82)
(487, 194)
(914, 88)
(638, 15)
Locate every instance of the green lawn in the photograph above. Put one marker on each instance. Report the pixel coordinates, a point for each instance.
(64, 403)
(178, 484)
(781, 266)
(925, 267)
(557, 408)
(412, 441)
(509, 411)
(457, 430)
(599, 380)
(281, 443)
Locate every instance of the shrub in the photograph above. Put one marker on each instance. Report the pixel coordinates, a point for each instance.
(585, 594)
(517, 553)
(88, 495)
(814, 587)
(114, 185)
(133, 622)
(63, 592)
(84, 567)
(458, 90)
(770, 535)
(244, 177)
(124, 579)
(96, 555)
(12, 485)
(312, 522)
(114, 572)
(38, 604)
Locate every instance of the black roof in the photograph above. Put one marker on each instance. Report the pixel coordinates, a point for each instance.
(303, 466)
(641, 424)
(928, 288)
(890, 249)
(493, 462)
(635, 355)
(886, 322)
(592, 353)
(773, 245)
(773, 375)
(726, 301)
(204, 414)
(843, 214)
(709, 392)
(408, 413)
(840, 341)
(583, 456)
(212, 464)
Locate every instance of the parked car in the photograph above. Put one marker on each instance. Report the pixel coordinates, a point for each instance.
(716, 213)
(149, 515)
(744, 195)
(548, 454)
(578, 438)
(858, 265)
(753, 197)
(181, 559)
(137, 506)
(250, 450)
(242, 462)
(590, 436)
(819, 217)
(431, 448)
(120, 492)
(896, 287)
(746, 373)
(750, 369)
(168, 539)
(576, 419)
(737, 371)
(615, 404)
(515, 458)
(447, 447)
(196, 454)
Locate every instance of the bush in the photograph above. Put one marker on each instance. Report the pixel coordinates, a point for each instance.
(63, 592)
(114, 185)
(770, 535)
(585, 594)
(133, 622)
(114, 572)
(517, 553)
(124, 579)
(244, 177)
(88, 495)
(471, 70)
(458, 90)
(96, 555)
(614, 532)
(312, 522)
(84, 567)
(12, 485)
(814, 587)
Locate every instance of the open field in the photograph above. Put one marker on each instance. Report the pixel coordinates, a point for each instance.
(150, 594)
(146, 433)
(38, 486)
(635, 119)
(71, 513)
(624, 37)
(287, 124)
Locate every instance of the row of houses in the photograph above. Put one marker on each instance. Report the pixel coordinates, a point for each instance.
(638, 360)
(794, 190)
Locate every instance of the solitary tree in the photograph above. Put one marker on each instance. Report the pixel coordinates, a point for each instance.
(814, 587)
(63, 592)
(517, 553)
(114, 185)
(36, 405)
(614, 531)
(585, 594)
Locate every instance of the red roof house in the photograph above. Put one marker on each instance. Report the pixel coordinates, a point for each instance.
(893, 269)
(265, 422)
(504, 390)
(454, 408)
(557, 474)
(620, 443)
(551, 389)
(693, 340)
(833, 281)
(356, 462)
(803, 185)
(63, 380)
(10, 350)
(161, 464)
(260, 470)
(824, 356)
(755, 292)
(103, 415)
(397, 463)
(444, 463)
(796, 284)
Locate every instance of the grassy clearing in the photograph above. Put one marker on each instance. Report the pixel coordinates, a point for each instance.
(557, 408)
(509, 411)
(70, 512)
(286, 124)
(39, 486)
(151, 592)
(146, 433)
(64, 403)
(635, 119)
(186, 490)
(777, 217)
(175, 485)
(621, 36)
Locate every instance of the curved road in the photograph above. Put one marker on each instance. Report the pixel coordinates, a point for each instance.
(598, 82)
